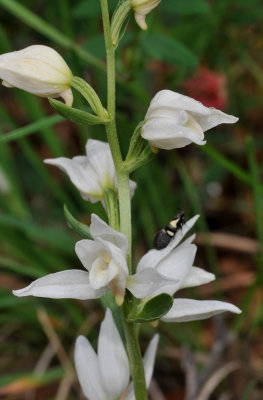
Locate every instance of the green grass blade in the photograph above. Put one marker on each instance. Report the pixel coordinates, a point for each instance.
(31, 128)
(226, 163)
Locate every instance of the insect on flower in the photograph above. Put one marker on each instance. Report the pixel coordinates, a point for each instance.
(165, 235)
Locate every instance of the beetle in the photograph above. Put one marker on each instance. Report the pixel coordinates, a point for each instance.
(165, 235)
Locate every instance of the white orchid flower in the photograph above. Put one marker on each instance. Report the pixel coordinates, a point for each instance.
(141, 9)
(91, 174)
(39, 70)
(175, 262)
(174, 120)
(106, 375)
(106, 269)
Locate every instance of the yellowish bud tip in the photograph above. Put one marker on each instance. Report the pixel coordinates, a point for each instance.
(67, 96)
(119, 298)
(154, 324)
(154, 149)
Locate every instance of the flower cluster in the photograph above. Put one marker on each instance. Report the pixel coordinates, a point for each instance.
(172, 121)
(159, 271)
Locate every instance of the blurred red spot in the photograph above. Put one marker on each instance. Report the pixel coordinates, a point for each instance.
(209, 87)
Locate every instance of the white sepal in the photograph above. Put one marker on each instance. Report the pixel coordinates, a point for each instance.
(196, 277)
(153, 257)
(70, 284)
(148, 282)
(191, 310)
(99, 229)
(113, 360)
(88, 370)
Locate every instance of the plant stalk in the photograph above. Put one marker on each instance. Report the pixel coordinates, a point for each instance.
(133, 348)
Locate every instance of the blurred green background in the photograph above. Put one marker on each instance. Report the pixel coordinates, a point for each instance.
(209, 50)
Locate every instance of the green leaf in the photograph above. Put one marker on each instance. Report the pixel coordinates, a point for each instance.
(35, 127)
(81, 229)
(74, 115)
(167, 49)
(154, 309)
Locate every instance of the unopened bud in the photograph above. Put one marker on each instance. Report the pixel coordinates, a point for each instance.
(39, 70)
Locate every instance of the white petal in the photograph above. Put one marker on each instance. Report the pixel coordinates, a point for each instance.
(88, 370)
(117, 254)
(70, 284)
(190, 310)
(148, 363)
(88, 251)
(176, 266)
(99, 229)
(100, 158)
(215, 117)
(196, 277)
(175, 101)
(148, 282)
(102, 273)
(81, 174)
(113, 360)
(167, 134)
(152, 258)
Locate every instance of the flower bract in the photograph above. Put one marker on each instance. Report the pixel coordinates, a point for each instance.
(39, 70)
(174, 120)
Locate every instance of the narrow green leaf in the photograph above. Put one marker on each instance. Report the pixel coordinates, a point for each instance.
(154, 309)
(31, 128)
(81, 229)
(74, 115)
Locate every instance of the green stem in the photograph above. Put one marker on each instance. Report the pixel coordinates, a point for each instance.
(112, 207)
(135, 359)
(122, 175)
(133, 348)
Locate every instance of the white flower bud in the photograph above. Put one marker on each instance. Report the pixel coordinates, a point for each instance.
(39, 70)
(141, 9)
